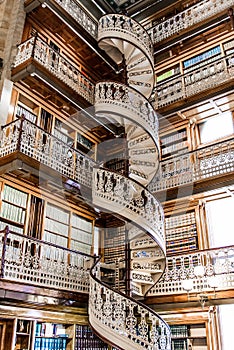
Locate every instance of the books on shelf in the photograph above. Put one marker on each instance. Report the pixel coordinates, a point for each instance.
(181, 233)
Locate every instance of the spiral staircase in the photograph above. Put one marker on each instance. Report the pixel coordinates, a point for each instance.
(121, 319)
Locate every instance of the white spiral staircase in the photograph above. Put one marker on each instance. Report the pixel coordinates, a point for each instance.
(119, 319)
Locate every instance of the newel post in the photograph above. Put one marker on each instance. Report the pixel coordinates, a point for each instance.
(4, 243)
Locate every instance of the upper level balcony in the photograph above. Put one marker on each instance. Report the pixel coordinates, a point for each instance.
(31, 261)
(73, 13)
(70, 11)
(207, 78)
(25, 147)
(36, 59)
(194, 168)
(28, 151)
(190, 18)
(204, 274)
(27, 260)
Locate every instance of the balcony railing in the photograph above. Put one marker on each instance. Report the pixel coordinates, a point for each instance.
(204, 163)
(56, 64)
(31, 140)
(217, 266)
(28, 260)
(77, 12)
(201, 11)
(193, 82)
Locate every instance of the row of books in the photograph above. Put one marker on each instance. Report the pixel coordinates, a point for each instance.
(21, 111)
(81, 246)
(50, 344)
(180, 135)
(228, 45)
(181, 232)
(12, 195)
(56, 227)
(174, 148)
(179, 331)
(48, 329)
(182, 248)
(12, 228)
(87, 340)
(179, 344)
(181, 242)
(79, 222)
(92, 344)
(13, 213)
(55, 239)
(53, 212)
(82, 236)
(180, 220)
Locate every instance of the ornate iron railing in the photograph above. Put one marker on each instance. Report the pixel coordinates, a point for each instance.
(130, 102)
(199, 12)
(26, 137)
(77, 12)
(130, 199)
(56, 64)
(29, 260)
(188, 168)
(196, 80)
(217, 265)
(126, 321)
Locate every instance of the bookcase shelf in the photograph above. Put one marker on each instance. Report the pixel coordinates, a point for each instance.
(189, 337)
(114, 267)
(181, 233)
(13, 209)
(174, 143)
(49, 336)
(23, 336)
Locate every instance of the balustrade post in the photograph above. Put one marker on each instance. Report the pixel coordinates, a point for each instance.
(22, 119)
(4, 251)
(34, 44)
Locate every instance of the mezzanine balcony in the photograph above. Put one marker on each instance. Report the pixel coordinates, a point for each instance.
(27, 149)
(38, 263)
(68, 9)
(209, 77)
(205, 164)
(206, 270)
(36, 59)
(186, 20)
(166, 29)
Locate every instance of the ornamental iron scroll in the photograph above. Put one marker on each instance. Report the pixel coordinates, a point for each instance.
(126, 321)
(29, 260)
(131, 199)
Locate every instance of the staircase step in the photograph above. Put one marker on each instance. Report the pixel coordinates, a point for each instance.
(141, 277)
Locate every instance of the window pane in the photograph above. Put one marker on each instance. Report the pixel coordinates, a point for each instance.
(220, 222)
(215, 128)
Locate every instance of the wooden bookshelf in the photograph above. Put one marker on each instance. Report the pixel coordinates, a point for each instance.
(189, 337)
(87, 340)
(49, 336)
(13, 209)
(174, 143)
(114, 268)
(181, 233)
(23, 336)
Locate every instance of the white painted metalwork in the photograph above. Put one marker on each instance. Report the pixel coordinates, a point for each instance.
(188, 168)
(183, 20)
(29, 260)
(57, 64)
(193, 82)
(218, 266)
(36, 143)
